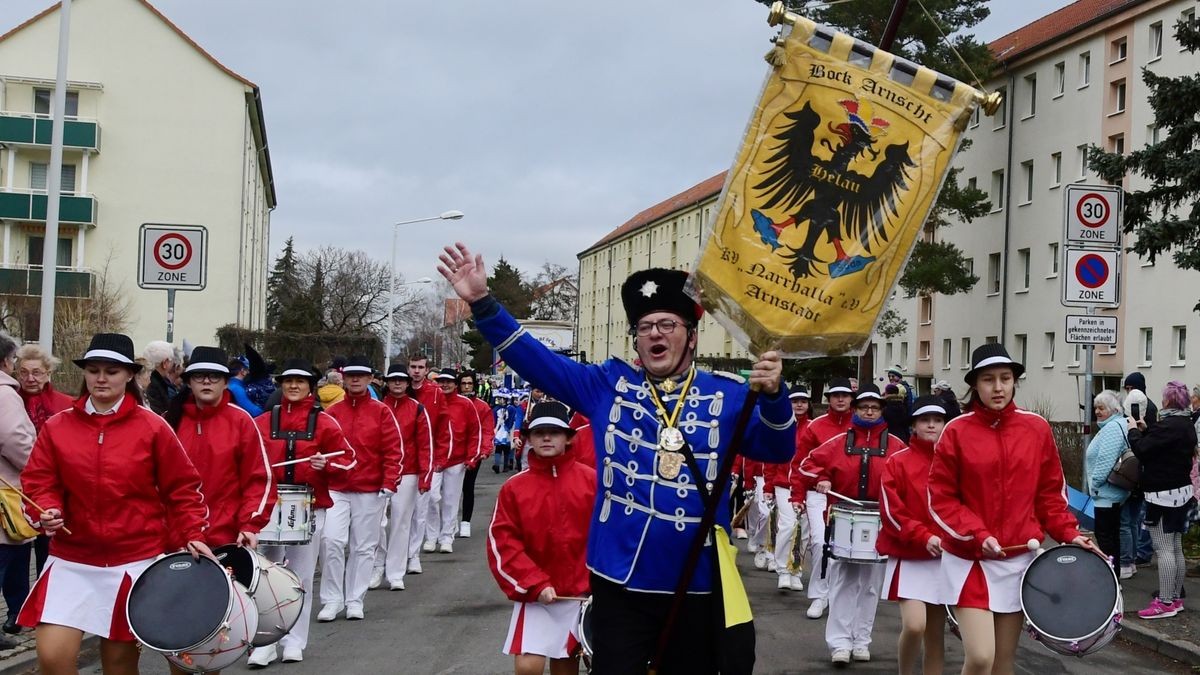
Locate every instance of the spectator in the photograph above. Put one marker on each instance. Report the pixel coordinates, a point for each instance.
(1136, 547)
(1102, 453)
(1135, 381)
(162, 387)
(329, 390)
(945, 392)
(17, 433)
(237, 388)
(895, 411)
(895, 375)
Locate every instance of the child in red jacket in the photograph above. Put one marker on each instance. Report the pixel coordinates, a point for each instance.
(537, 544)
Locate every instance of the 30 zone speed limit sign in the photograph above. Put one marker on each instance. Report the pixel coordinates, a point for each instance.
(173, 257)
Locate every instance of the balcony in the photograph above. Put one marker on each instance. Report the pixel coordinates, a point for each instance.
(27, 280)
(30, 129)
(31, 206)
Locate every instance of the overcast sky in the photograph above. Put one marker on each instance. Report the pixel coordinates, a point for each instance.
(548, 124)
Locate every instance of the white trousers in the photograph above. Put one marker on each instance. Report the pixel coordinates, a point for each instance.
(853, 597)
(785, 530)
(815, 503)
(301, 559)
(354, 521)
(441, 521)
(392, 553)
(416, 531)
(757, 517)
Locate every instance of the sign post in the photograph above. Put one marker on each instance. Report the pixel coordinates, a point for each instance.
(172, 258)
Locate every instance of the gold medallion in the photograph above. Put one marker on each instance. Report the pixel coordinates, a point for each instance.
(670, 439)
(668, 385)
(669, 464)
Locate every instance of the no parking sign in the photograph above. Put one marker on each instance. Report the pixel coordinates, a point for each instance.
(1092, 278)
(173, 257)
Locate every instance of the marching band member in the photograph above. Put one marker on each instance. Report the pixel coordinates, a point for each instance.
(836, 420)
(649, 499)
(851, 464)
(297, 428)
(359, 494)
(995, 483)
(909, 538)
(757, 514)
(486, 446)
(779, 484)
(582, 445)
(430, 396)
(537, 545)
(455, 444)
(114, 474)
(416, 432)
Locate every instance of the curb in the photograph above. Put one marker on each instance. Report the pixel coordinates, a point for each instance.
(26, 662)
(1179, 650)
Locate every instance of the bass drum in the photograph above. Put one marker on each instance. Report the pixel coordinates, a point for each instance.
(1072, 600)
(276, 591)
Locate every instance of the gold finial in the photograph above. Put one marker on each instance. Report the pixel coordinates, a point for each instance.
(991, 102)
(779, 14)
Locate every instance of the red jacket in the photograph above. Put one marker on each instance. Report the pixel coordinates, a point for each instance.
(780, 475)
(416, 431)
(998, 475)
(373, 433)
(907, 525)
(456, 436)
(429, 395)
(583, 445)
(830, 462)
(487, 431)
(227, 450)
(44, 404)
(328, 437)
(751, 469)
(538, 536)
(812, 436)
(124, 484)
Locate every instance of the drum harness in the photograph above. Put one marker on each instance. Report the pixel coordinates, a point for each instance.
(290, 437)
(864, 471)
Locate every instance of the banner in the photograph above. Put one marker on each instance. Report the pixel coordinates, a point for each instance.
(843, 158)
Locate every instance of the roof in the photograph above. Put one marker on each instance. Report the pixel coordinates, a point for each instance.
(1055, 25)
(693, 195)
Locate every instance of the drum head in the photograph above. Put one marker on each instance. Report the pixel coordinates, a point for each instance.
(1069, 592)
(178, 602)
(240, 561)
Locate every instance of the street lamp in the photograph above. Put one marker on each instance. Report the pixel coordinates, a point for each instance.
(448, 215)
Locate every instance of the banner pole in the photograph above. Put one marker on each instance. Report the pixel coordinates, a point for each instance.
(893, 25)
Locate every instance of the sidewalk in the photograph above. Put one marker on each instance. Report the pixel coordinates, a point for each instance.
(1177, 637)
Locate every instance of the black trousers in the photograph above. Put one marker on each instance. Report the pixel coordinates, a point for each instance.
(468, 494)
(1108, 531)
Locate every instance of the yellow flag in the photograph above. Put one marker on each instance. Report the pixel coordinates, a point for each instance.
(733, 593)
(840, 164)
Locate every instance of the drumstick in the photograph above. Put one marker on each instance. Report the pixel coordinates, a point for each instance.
(298, 461)
(845, 498)
(574, 598)
(29, 501)
(1031, 545)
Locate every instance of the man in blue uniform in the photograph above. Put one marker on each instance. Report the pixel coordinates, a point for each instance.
(661, 430)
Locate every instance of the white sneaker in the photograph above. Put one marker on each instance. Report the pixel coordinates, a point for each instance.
(329, 613)
(797, 583)
(354, 613)
(262, 657)
(396, 586)
(292, 655)
(464, 530)
(771, 565)
(840, 658)
(785, 582)
(445, 547)
(376, 578)
(414, 565)
(428, 546)
(817, 608)
(760, 560)
(861, 654)
(1127, 571)
(752, 548)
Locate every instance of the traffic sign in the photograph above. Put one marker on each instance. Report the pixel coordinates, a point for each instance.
(1092, 278)
(1093, 215)
(173, 257)
(1083, 329)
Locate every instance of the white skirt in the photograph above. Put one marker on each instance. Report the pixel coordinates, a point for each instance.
(913, 580)
(81, 596)
(1000, 590)
(546, 630)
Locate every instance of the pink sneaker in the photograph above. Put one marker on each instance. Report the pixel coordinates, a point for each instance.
(1177, 605)
(1159, 610)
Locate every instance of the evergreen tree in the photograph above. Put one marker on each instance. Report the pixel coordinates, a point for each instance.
(1166, 216)
(508, 286)
(283, 284)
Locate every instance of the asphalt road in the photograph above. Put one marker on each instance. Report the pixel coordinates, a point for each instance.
(453, 619)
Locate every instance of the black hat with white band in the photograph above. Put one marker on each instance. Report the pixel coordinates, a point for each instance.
(798, 391)
(446, 374)
(988, 355)
(551, 414)
(110, 348)
(358, 365)
(928, 405)
(838, 385)
(397, 371)
(207, 360)
(868, 392)
(298, 368)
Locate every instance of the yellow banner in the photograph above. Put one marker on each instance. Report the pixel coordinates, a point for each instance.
(841, 162)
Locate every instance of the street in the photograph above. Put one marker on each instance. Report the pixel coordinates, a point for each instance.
(453, 619)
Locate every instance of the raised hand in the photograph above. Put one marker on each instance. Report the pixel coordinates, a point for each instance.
(465, 272)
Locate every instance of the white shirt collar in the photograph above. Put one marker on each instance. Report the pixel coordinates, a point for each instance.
(90, 408)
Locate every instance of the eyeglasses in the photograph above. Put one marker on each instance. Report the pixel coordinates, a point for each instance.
(207, 377)
(32, 373)
(665, 327)
(870, 408)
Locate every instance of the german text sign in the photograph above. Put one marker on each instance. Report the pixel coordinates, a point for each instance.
(1092, 278)
(173, 257)
(1085, 329)
(1093, 215)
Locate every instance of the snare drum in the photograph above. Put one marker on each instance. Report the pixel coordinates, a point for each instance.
(853, 531)
(583, 628)
(276, 591)
(1072, 600)
(292, 520)
(192, 612)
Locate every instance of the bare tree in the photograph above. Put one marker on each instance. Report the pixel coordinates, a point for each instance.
(348, 288)
(555, 294)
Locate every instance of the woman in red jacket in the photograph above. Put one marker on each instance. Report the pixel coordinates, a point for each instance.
(909, 538)
(995, 483)
(537, 544)
(116, 476)
(319, 434)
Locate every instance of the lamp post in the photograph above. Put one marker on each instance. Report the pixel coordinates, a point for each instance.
(448, 215)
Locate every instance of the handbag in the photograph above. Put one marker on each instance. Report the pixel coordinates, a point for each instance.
(12, 516)
(1126, 473)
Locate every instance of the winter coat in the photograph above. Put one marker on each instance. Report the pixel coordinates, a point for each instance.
(1138, 381)
(237, 390)
(831, 462)
(780, 475)
(45, 404)
(416, 432)
(330, 395)
(487, 431)
(124, 484)
(456, 436)
(158, 393)
(538, 536)
(17, 434)
(907, 526)
(225, 447)
(328, 437)
(998, 474)
(1107, 445)
(895, 411)
(371, 429)
(950, 403)
(1165, 451)
(821, 429)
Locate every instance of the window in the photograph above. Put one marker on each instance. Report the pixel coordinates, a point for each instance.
(975, 116)
(947, 353)
(965, 352)
(37, 247)
(1117, 92)
(1031, 92)
(42, 99)
(1001, 116)
(1119, 50)
(997, 195)
(1022, 347)
(926, 310)
(1081, 153)
(991, 339)
(1050, 342)
(1116, 143)
(1027, 176)
(904, 353)
(1056, 169)
(1053, 260)
(1060, 78)
(1023, 264)
(1156, 36)
(924, 350)
(1187, 16)
(1147, 346)
(1179, 338)
(889, 352)
(972, 183)
(993, 274)
(970, 265)
(1075, 350)
(39, 171)
(1153, 134)
(1085, 69)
